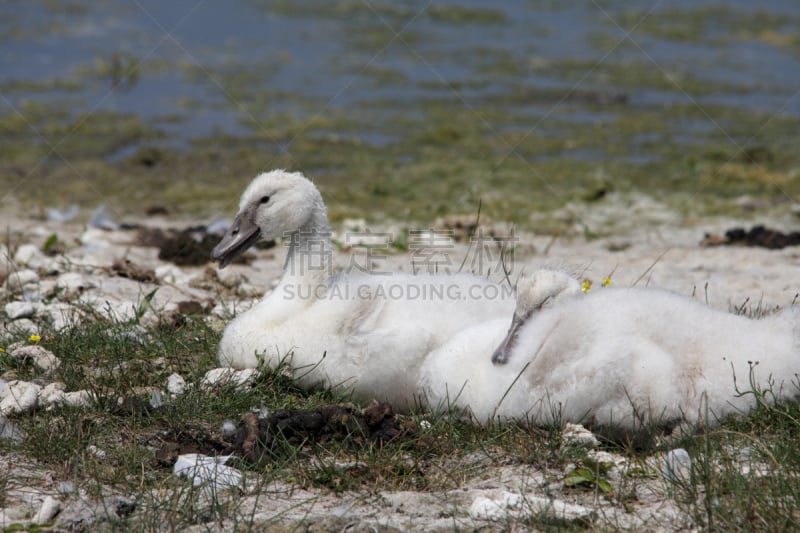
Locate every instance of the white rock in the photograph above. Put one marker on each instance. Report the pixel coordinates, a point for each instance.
(15, 310)
(41, 357)
(97, 452)
(170, 273)
(229, 428)
(62, 215)
(231, 278)
(157, 399)
(20, 397)
(577, 434)
(72, 283)
(10, 431)
(22, 326)
(6, 265)
(176, 385)
(78, 398)
(66, 487)
(101, 219)
(49, 509)
(603, 457)
(217, 377)
(52, 393)
(202, 469)
(13, 515)
(513, 505)
(29, 255)
(55, 394)
(18, 279)
(47, 288)
(677, 466)
(61, 315)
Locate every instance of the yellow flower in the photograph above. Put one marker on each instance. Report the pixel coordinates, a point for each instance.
(586, 286)
(606, 281)
(35, 338)
(2, 350)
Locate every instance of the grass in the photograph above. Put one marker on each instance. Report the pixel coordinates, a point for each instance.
(745, 475)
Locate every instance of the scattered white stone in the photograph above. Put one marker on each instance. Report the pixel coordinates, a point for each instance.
(66, 487)
(29, 255)
(517, 506)
(97, 452)
(603, 457)
(13, 515)
(54, 394)
(101, 219)
(170, 273)
(577, 434)
(20, 397)
(9, 430)
(78, 398)
(49, 509)
(15, 310)
(157, 400)
(228, 428)
(19, 279)
(248, 290)
(61, 315)
(137, 335)
(203, 469)
(41, 357)
(231, 279)
(346, 466)
(176, 385)
(20, 327)
(72, 283)
(6, 265)
(217, 377)
(677, 466)
(62, 215)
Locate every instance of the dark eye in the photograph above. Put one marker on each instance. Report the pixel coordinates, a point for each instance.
(264, 199)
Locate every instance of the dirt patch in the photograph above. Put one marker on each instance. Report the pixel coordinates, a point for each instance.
(257, 438)
(761, 236)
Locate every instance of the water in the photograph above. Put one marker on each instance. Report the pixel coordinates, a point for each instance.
(314, 57)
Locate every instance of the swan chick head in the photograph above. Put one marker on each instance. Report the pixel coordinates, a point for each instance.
(274, 204)
(534, 291)
(542, 287)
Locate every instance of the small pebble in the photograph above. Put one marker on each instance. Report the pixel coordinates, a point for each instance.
(49, 509)
(20, 397)
(677, 466)
(15, 310)
(66, 487)
(228, 428)
(176, 385)
(97, 452)
(18, 279)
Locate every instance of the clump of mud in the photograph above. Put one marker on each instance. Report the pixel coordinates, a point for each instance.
(757, 236)
(257, 439)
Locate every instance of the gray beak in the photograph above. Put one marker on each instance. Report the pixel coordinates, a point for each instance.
(242, 234)
(502, 353)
